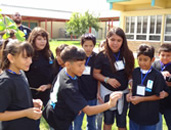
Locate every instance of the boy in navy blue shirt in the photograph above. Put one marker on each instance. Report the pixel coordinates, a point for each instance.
(66, 101)
(87, 83)
(164, 66)
(147, 85)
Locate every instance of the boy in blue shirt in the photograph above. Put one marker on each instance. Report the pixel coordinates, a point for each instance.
(66, 101)
(145, 96)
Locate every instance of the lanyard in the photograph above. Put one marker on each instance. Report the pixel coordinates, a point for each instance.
(71, 76)
(143, 78)
(50, 60)
(60, 68)
(12, 71)
(117, 56)
(164, 66)
(87, 60)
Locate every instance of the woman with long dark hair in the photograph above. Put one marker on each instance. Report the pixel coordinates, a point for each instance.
(113, 68)
(40, 74)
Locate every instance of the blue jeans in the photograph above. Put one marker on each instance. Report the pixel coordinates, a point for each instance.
(167, 116)
(38, 124)
(159, 125)
(70, 128)
(99, 118)
(90, 119)
(135, 126)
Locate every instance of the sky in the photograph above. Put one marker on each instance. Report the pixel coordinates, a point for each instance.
(68, 5)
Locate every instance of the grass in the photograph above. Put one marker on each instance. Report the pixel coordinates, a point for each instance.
(44, 125)
(53, 45)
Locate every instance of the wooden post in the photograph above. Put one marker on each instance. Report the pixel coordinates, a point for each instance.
(46, 24)
(71, 37)
(39, 23)
(89, 29)
(112, 23)
(109, 26)
(51, 29)
(29, 23)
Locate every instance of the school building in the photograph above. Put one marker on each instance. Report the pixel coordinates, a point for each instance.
(144, 21)
(54, 21)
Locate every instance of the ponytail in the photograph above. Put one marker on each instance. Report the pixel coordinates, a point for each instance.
(4, 60)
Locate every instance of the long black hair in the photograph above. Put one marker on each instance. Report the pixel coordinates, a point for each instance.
(125, 52)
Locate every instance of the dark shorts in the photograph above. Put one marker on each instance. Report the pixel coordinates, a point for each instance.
(120, 119)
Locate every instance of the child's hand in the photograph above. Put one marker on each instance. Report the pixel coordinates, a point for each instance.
(38, 103)
(135, 99)
(130, 83)
(42, 88)
(114, 98)
(99, 98)
(128, 97)
(79, 113)
(33, 113)
(163, 94)
(168, 84)
(166, 73)
(113, 82)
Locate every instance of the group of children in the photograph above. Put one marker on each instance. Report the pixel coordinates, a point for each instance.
(83, 77)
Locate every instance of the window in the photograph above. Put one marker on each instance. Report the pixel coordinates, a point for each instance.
(32, 24)
(146, 28)
(155, 27)
(130, 24)
(167, 33)
(141, 28)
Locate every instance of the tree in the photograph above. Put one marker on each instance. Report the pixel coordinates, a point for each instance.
(7, 24)
(92, 21)
(79, 23)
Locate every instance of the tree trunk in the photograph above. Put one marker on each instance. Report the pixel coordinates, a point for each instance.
(89, 29)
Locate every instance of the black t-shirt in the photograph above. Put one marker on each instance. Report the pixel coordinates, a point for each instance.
(26, 30)
(56, 68)
(40, 73)
(68, 102)
(157, 65)
(102, 63)
(87, 83)
(15, 95)
(146, 113)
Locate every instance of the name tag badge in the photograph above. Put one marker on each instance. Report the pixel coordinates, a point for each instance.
(150, 84)
(87, 70)
(119, 65)
(25, 31)
(140, 90)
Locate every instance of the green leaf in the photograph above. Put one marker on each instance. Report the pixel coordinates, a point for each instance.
(9, 21)
(2, 25)
(1, 17)
(6, 35)
(14, 27)
(20, 35)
